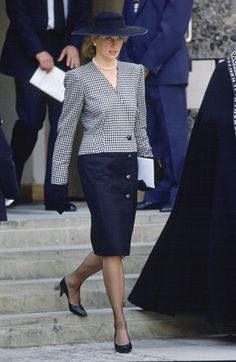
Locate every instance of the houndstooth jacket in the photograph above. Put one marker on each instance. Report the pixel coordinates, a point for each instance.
(114, 120)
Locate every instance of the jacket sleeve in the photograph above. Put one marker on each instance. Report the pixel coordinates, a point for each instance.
(170, 35)
(140, 131)
(67, 124)
(17, 13)
(8, 181)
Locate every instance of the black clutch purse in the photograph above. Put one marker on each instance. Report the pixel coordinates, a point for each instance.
(150, 173)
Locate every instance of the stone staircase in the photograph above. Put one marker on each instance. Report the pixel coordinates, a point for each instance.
(36, 253)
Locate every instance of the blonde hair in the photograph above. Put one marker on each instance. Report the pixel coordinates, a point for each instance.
(88, 48)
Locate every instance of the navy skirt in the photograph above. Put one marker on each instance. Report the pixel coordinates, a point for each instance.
(109, 182)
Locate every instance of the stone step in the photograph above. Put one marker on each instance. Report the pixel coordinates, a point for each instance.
(51, 262)
(70, 231)
(38, 249)
(38, 329)
(46, 219)
(32, 296)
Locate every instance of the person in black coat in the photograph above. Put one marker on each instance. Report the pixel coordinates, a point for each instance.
(192, 267)
(8, 182)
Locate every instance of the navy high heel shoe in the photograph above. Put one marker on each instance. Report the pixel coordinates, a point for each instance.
(75, 309)
(126, 348)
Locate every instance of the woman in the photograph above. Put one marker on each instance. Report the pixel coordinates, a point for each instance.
(192, 267)
(8, 182)
(107, 96)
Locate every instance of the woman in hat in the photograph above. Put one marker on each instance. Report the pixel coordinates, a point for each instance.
(107, 96)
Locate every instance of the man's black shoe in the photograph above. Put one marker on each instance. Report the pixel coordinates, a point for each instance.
(147, 205)
(69, 207)
(166, 208)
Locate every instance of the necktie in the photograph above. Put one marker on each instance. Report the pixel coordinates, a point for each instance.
(59, 15)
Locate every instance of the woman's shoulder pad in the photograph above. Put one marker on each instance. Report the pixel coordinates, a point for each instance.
(132, 67)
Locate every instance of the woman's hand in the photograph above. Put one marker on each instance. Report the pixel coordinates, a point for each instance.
(59, 200)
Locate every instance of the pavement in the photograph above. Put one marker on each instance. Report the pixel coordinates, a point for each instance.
(163, 349)
(208, 348)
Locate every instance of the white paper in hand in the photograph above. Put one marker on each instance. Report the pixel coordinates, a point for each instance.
(51, 82)
(146, 171)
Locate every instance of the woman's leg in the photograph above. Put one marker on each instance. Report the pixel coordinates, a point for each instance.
(90, 265)
(113, 274)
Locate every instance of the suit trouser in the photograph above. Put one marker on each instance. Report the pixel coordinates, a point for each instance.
(167, 129)
(3, 213)
(31, 107)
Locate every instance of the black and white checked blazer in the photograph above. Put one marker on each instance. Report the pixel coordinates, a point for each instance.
(114, 120)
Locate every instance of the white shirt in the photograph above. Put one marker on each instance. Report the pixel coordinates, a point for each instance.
(51, 12)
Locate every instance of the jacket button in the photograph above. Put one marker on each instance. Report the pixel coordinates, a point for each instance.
(129, 138)
(127, 196)
(129, 155)
(128, 177)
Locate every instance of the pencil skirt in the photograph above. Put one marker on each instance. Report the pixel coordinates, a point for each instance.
(109, 182)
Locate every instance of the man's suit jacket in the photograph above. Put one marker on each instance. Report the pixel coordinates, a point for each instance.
(27, 34)
(163, 49)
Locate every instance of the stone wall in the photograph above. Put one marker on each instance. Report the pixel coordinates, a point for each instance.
(214, 29)
(106, 5)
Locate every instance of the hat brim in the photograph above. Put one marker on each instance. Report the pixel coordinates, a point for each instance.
(124, 31)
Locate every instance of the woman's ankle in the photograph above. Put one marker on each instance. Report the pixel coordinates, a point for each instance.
(120, 325)
(72, 282)
(121, 335)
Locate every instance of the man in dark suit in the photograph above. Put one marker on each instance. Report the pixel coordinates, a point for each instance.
(164, 55)
(39, 34)
(8, 182)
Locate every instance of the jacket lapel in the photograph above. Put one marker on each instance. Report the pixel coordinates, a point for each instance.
(141, 4)
(129, 9)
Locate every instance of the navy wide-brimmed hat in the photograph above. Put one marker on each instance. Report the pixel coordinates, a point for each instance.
(109, 23)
